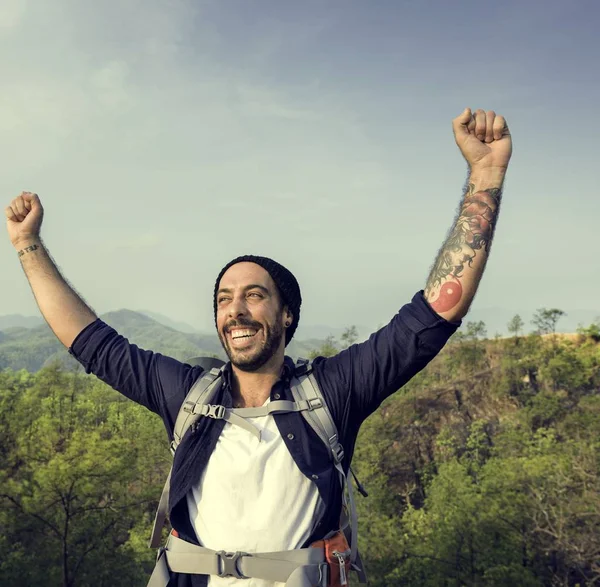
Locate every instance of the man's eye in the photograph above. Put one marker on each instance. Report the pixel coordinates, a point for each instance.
(254, 294)
(221, 300)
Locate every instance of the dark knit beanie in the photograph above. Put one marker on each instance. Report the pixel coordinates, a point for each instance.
(288, 287)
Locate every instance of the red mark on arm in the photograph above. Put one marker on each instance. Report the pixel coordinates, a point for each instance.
(449, 296)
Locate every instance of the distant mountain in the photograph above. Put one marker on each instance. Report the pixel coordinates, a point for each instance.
(28, 348)
(32, 348)
(175, 324)
(150, 334)
(19, 321)
(302, 348)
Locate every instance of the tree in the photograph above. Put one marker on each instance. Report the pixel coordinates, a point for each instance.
(469, 354)
(74, 484)
(349, 337)
(476, 330)
(515, 326)
(545, 320)
(329, 348)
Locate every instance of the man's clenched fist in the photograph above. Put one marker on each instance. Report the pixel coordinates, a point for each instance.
(24, 219)
(483, 139)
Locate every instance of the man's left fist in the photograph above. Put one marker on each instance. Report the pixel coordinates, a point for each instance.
(483, 138)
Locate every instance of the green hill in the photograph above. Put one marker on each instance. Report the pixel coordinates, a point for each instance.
(19, 321)
(24, 348)
(34, 348)
(150, 334)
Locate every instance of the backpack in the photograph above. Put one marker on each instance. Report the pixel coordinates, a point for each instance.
(308, 400)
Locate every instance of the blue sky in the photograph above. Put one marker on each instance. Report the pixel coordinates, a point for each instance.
(167, 137)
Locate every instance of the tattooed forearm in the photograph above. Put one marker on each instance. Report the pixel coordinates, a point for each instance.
(470, 237)
(26, 250)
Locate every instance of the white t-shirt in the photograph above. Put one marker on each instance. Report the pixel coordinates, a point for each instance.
(253, 498)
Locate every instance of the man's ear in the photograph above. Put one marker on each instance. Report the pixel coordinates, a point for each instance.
(289, 317)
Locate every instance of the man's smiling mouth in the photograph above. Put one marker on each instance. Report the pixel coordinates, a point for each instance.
(241, 333)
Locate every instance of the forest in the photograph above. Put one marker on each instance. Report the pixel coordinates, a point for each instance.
(481, 471)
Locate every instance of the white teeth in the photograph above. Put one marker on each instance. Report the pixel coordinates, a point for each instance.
(242, 334)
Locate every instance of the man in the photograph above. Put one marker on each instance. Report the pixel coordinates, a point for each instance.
(230, 490)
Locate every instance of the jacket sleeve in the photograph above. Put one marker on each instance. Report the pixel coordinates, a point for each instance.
(359, 378)
(153, 380)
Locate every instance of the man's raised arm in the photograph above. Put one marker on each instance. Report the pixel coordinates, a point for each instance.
(64, 311)
(486, 144)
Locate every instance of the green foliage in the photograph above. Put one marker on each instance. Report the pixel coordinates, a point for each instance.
(482, 471)
(469, 353)
(28, 349)
(80, 476)
(330, 346)
(485, 469)
(592, 331)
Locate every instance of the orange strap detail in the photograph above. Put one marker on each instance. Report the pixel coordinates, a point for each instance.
(336, 544)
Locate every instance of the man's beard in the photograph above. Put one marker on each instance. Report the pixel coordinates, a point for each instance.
(258, 357)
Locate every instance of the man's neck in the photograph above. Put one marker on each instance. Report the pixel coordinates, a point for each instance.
(252, 389)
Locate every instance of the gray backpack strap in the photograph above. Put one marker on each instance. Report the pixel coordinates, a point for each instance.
(201, 393)
(305, 388)
(301, 567)
(161, 514)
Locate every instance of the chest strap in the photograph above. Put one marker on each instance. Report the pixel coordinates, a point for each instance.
(304, 567)
(237, 416)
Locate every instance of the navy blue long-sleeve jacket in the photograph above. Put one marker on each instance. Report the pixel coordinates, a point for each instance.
(353, 383)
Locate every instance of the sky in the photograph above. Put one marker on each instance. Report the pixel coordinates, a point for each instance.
(166, 137)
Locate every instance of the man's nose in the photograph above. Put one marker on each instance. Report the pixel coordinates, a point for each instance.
(237, 307)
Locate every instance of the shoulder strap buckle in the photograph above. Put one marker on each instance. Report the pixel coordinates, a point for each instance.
(215, 411)
(337, 450)
(315, 403)
(188, 407)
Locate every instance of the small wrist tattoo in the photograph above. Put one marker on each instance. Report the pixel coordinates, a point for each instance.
(28, 249)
